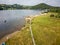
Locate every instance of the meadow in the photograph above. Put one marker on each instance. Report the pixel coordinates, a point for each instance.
(46, 31)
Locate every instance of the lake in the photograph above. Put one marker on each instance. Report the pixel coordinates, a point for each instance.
(12, 20)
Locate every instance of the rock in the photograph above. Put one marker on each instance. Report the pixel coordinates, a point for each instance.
(5, 21)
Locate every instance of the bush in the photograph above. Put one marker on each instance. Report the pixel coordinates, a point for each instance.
(52, 15)
(1, 8)
(57, 16)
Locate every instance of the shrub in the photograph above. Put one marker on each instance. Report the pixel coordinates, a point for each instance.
(57, 16)
(52, 15)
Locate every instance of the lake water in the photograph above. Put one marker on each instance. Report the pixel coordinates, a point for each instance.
(11, 20)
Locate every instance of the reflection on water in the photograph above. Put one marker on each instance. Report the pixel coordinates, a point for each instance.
(11, 20)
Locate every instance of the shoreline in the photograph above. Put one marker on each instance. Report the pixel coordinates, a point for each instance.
(5, 38)
(10, 35)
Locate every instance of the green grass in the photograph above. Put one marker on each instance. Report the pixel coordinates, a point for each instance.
(23, 37)
(46, 31)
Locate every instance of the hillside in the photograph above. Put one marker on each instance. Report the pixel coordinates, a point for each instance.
(41, 6)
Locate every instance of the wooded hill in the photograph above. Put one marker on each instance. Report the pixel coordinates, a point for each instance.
(40, 6)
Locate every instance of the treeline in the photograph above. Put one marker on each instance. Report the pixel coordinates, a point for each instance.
(44, 6)
(15, 6)
(55, 9)
(41, 6)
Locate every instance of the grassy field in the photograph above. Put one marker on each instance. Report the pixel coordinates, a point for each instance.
(46, 31)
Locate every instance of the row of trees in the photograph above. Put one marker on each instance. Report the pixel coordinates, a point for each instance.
(15, 6)
(41, 6)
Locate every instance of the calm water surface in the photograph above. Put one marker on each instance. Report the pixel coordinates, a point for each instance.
(10, 20)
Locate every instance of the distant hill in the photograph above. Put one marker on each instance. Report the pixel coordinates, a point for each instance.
(41, 6)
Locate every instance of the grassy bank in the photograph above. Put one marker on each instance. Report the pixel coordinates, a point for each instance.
(46, 31)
